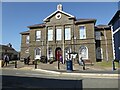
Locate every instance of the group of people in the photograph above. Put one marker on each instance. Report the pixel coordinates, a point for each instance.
(27, 60)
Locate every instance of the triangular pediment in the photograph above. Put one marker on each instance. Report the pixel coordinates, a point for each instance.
(58, 11)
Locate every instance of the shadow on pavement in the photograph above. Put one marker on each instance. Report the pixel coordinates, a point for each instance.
(33, 83)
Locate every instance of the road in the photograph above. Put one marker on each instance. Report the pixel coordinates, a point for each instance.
(34, 79)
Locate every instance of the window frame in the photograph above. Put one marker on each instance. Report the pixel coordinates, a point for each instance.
(58, 33)
(81, 37)
(99, 37)
(36, 36)
(27, 39)
(69, 34)
(86, 52)
(51, 35)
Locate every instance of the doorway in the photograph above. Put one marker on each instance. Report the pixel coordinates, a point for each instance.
(58, 53)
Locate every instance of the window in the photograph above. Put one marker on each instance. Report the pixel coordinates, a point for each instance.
(98, 35)
(58, 34)
(67, 34)
(83, 52)
(67, 51)
(99, 53)
(27, 39)
(82, 32)
(38, 35)
(50, 54)
(37, 53)
(50, 35)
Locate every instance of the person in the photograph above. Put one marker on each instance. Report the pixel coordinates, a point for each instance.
(61, 59)
(81, 62)
(6, 59)
(28, 60)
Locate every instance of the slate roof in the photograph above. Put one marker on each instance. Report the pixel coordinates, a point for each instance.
(25, 32)
(102, 27)
(37, 25)
(84, 20)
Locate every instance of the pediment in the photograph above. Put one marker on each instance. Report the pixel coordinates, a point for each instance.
(57, 15)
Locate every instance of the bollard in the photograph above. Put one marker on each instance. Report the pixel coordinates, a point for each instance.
(58, 64)
(15, 63)
(35, 64)
(83, 64)
(113, 65)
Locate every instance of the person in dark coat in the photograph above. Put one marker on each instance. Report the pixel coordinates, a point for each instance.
(6, 60)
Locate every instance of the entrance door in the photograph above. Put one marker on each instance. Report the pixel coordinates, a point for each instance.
(58, 53)
(99, 54)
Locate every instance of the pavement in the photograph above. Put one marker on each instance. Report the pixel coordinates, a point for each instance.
(90, 70)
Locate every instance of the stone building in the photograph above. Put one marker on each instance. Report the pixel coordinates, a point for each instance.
(8, 50)
(62, 33)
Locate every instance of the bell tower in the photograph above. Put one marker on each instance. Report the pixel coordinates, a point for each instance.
(59, 7)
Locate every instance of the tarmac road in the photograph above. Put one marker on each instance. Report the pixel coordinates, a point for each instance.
(12, 78)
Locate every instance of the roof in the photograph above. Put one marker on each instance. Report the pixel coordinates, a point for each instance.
(103, 27)
(84, 20)
(115, 17)
(5, 47)
(71, 16)
(25, 32)
(37, 25)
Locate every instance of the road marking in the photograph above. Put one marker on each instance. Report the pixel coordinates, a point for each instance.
(17, 73)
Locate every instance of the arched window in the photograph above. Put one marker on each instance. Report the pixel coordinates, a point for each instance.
(83, 52)
(37, 52)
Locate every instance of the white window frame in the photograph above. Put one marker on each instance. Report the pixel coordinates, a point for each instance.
(80, 35)
(67, 33)
(86, 52)
(27, 39)
(98, 35)
(37, 54)
(50, 35)
(58, 34)
(38, 35)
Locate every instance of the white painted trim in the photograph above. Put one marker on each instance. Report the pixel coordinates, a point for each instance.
(56, 12)
(116, 30)
(113, 46)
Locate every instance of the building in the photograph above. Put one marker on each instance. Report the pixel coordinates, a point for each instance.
(11, 52)
(115, 23)
(62, 34)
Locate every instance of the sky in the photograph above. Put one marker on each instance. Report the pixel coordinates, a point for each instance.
(16, 16)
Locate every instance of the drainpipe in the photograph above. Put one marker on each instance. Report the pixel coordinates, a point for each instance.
(63, 45)
(113, 42)
(106, 44)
